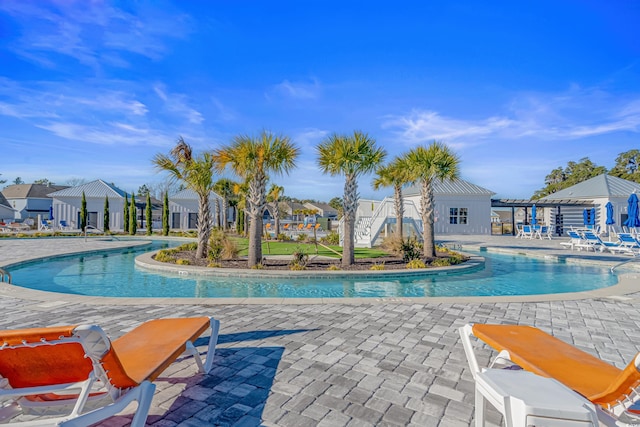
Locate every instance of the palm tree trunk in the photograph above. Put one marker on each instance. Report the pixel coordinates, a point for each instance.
(217, 214)
(204, 225)
(426, 212)
(225, 208)
(350, 204)
(276, 218)
(256, 201)
(397, 189)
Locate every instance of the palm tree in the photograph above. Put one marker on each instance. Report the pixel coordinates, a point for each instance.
(426, 165)
(394, 175)
(350, 156)
(273, 196)
(253, 159)
(224, 188)
(196, 172)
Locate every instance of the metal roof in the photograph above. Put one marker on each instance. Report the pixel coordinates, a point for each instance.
(458, 186)
(97, 188)
(36, 191)
(600, 186)
(189, 194)
(526, 203)
(4, 202)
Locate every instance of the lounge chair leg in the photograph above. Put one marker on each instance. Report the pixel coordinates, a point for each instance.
(144, 404)
(213, 340)
(480, 408)
(211, 349)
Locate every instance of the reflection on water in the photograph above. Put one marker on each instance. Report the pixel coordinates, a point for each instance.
(114, 274)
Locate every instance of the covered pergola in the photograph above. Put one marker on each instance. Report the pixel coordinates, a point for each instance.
(528, 203)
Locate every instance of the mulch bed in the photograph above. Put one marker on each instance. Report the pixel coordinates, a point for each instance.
(390, 262)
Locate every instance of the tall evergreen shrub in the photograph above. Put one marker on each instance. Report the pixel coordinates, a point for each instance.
(148, 216)
(83, 212)
(165, 215)
(125, 214)
(106, 214)
(133, 216)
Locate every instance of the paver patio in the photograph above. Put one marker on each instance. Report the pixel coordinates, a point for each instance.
(382, 364)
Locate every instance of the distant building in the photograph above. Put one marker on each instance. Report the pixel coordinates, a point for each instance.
(324, 210)
(460, 208)
(30, 200)
(68, 201)
(183, 209)
(7, 213)
(592, 193)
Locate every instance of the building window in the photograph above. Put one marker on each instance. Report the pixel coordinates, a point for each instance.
(457, 215)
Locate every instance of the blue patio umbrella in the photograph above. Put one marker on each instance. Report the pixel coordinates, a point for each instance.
(592, 217)
(585, 217)
(632, 211)
(50, 212)
(534, 221)
(610, 220)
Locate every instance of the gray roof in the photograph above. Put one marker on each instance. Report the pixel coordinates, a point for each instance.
(35, 191)
(449, 187)
(4, 202)
(97, 188)
(600, 186)
(189, 194)
(324, 206)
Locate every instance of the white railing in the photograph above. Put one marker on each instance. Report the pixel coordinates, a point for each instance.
(370, 227)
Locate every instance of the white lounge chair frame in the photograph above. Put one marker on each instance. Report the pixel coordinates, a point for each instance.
(96, 390)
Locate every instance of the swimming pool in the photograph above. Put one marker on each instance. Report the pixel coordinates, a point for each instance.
(114, 274)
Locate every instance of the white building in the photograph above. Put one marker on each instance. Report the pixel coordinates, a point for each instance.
(460, 208)
(67, 205)
(592, 193)
(183, 209)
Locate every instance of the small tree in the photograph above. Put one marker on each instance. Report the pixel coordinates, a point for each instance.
(165, 215)
(106, 214)
(125, 214)
(83, 212)
(133, 214)
(148, 216)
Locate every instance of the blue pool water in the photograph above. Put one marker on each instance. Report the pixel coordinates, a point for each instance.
(114, 274)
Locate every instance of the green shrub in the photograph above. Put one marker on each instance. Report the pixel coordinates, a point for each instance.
(283, 237)
(441, 262)
(299, 259)
(258, 266)
(165, 255)
(415, 264)
(377, 266)
(192, 246)
(333, 267)
(182, 261)
(214, 264)
(302, 237)
(332, 238)
(411, 249)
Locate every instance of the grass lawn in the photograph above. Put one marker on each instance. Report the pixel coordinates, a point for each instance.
(287, 248)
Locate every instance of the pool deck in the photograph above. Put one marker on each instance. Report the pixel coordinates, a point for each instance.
(365, 363)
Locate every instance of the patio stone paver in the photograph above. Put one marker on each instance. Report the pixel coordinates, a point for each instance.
(333, 365)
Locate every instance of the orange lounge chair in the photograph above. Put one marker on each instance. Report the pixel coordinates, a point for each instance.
(536, 351)
(300, 226)
(286, 226)
(77, 376)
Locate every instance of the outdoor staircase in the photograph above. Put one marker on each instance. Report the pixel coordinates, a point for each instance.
(368, 229)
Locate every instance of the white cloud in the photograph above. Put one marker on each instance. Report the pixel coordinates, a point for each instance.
(92, 32)
(296, 90)
(573, 114)
(178, 104)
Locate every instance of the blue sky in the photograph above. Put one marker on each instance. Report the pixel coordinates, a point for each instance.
(94, 89)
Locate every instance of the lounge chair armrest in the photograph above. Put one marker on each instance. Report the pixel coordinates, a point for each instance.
(465, 333)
